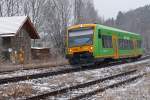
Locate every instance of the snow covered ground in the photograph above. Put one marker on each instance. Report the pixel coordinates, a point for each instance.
(138, 90)
(36, 86)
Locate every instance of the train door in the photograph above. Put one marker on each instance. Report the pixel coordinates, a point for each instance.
(115, 46)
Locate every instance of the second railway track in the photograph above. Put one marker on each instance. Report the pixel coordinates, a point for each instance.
(86, 95)
(65, 91)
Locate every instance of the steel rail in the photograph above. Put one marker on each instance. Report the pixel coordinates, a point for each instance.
(83, 85)
(85, 95)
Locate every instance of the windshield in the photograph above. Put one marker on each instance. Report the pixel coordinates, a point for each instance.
(80, 37)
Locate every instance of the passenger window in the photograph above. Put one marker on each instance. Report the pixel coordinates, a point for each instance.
(139, 43)
(106, 41)
(125, 44)
(120, 43)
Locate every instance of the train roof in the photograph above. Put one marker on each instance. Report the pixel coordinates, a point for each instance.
(117, 30)
(103, 27)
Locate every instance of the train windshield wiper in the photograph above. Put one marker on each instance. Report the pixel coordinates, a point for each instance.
(88, 41)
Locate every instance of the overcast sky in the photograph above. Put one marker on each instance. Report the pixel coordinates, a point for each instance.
(110, 8)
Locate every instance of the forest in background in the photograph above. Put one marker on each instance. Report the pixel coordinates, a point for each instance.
(52, 17)
(137, 20)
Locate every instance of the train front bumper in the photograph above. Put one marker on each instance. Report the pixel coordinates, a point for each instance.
(73, 50)
(83, 52)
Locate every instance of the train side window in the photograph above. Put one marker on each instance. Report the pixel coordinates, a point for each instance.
(99, 34)
(128, 44)
(139, 43)
(120, 44)
(106, 41)
(110, 42)
(131, 44)
(125, 44)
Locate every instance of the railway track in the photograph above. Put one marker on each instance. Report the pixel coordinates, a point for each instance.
(42, 68)
(59, 72)
(64, 91)
(105, 88)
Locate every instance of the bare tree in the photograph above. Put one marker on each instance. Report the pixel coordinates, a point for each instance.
(33, 8)
(56, 21)
(58, 16)
(1, 7)
(78, 5)
(52, 17)
(110, 22)
(85, 12)
(11, 7)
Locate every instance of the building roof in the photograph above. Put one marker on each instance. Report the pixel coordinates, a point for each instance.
(10, 26)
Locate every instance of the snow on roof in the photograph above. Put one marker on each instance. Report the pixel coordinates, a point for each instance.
(40, 47)
(9, 26)
(7, 35)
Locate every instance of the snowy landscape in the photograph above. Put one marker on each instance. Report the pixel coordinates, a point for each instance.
(70, 50)
(138, 89)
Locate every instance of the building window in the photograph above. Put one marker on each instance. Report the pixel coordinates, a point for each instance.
(6, 42)
(107, 41)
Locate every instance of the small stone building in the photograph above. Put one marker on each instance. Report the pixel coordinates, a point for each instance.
(15, 37)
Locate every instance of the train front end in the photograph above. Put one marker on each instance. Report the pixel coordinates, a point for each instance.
(79, 45)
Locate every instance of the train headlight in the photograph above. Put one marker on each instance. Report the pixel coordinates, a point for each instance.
(70, 50)
(91, 48)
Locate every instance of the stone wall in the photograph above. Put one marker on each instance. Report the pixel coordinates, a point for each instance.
(22, 41)
(10, 47)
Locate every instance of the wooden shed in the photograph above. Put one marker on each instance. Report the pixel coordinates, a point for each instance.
(15, 38)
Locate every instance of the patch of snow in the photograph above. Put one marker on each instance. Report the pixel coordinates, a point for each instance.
(11, 24)
(61, 81)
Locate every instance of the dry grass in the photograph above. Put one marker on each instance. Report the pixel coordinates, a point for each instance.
(35, 64)
(9, 67)
(16, 90)
(47, 63)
